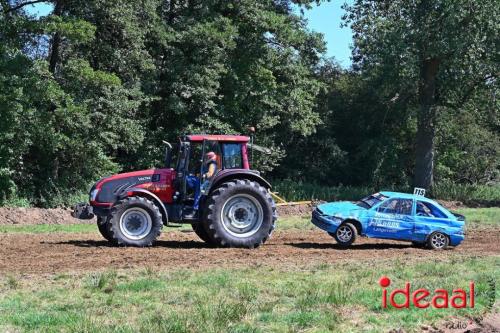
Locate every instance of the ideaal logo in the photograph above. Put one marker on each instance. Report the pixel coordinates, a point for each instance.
(423, 298)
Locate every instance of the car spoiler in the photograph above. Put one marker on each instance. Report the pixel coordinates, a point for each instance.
(459, 217)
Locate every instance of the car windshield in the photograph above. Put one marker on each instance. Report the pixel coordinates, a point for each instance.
(371, 200)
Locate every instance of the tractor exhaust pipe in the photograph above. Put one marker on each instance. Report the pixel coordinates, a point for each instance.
(168, 154)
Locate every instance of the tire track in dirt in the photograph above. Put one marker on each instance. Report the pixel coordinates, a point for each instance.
(64, 252)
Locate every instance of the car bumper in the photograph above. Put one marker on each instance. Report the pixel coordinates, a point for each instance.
(456, 239)
(325, 222)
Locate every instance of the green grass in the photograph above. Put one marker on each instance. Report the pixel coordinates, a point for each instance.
(481, 216)
(48, 228)
(340, 298)
(474, 216)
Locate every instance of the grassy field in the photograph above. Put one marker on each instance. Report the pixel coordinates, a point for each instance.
(344, 297)
(327, 298)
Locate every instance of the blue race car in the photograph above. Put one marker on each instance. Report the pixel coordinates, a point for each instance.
(391, 215)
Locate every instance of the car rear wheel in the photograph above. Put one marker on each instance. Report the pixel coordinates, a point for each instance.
(346, 234)
(438, 241)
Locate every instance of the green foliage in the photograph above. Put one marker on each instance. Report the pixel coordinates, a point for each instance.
(469, 194)
(94, 87)
(433, 56)
(83, 87)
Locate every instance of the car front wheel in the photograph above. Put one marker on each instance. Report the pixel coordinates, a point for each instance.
(345, 235)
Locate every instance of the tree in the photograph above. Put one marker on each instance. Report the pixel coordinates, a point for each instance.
(95, 86)
(440, 51)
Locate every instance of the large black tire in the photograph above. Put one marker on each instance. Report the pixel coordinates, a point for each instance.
(103, 227)
(242, 200)
(135, 221)
(438, 241)
(200, 231)
(346, 234)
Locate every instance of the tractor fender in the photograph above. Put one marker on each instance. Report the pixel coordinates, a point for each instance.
(229, 174)
(145, 193)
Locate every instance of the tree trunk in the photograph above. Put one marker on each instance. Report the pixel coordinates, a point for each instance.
(426, 119)
(56, 41)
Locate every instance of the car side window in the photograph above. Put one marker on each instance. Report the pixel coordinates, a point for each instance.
(429, 210)
(396, 206)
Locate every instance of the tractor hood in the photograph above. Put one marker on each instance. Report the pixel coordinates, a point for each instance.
(109, 188)
(338, 208)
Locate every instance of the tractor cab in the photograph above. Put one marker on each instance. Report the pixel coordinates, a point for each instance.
(193, 180)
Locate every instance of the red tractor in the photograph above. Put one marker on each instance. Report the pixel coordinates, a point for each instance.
(233, 208)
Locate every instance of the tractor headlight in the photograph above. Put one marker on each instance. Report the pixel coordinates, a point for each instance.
(93, 194)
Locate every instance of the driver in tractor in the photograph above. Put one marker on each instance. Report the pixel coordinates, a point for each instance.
(208, 171)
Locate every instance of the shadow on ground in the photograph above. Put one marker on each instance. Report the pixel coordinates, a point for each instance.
(375, 246)
(160, 243)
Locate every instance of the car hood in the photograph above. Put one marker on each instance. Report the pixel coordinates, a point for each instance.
(334, 208)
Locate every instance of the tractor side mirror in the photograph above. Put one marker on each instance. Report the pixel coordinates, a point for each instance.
(168, 154)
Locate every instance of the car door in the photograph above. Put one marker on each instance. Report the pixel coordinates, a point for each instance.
(392, 219)
(429, 218)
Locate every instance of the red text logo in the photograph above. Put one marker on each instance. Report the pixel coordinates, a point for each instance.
(423, 298)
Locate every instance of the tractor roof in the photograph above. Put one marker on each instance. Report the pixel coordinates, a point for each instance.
(211, 137)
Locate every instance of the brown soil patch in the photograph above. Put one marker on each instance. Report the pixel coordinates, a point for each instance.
(295, 210)
(490, 324)
(17, 215)
(58, 252)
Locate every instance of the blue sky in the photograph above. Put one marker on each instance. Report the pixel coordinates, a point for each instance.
(325, 19)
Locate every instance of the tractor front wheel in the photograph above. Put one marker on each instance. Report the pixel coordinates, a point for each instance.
(135, 221)
(104, 228)
(240, 213)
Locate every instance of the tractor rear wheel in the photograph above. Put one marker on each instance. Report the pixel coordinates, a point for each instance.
(200, 231)
(103, 226)
(135, 221)
(240, 213)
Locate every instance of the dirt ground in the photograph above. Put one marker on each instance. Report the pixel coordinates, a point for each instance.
(20, 215)
(63, 252)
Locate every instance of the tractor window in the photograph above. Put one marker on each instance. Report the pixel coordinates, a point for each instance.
(396, 206)
(429, 210)
(232, 156)
(214, 147)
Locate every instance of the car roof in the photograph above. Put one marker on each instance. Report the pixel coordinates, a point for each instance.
(402, 195)
(215, 137)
